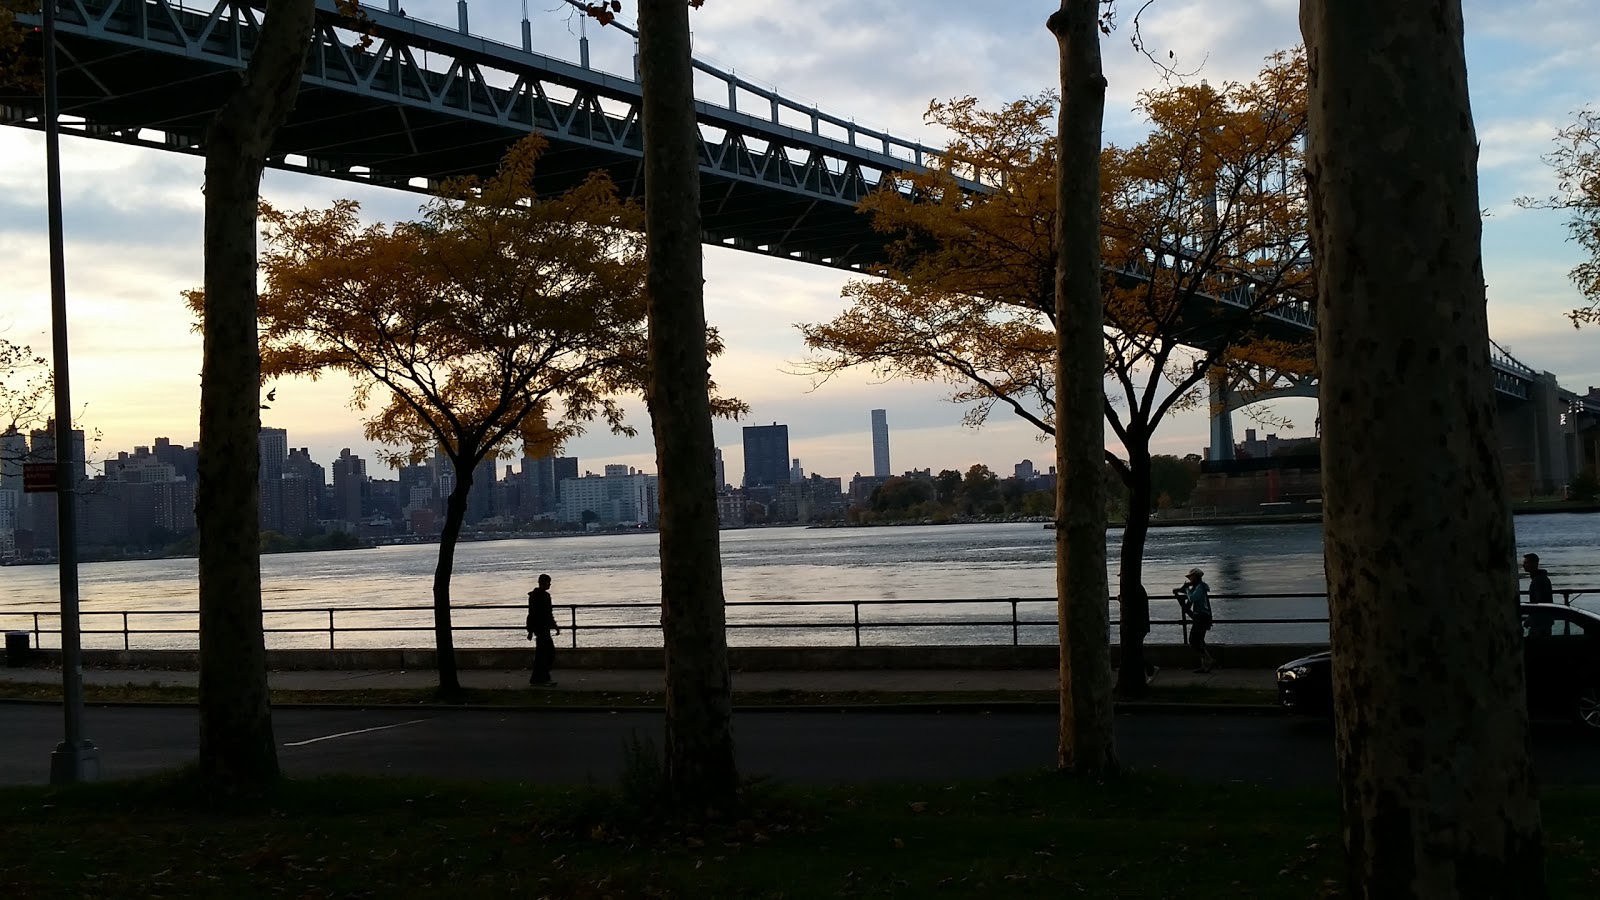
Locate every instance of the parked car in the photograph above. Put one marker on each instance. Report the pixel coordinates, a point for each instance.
(1561, 657)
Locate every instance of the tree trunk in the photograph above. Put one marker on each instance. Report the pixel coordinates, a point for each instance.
(444, 638)
(1432, 734)
(236, 746)
(700, 759)
(1085, 742)
(1135, 626)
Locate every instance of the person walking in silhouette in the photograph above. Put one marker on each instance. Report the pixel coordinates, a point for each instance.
(1195, 598)
(1539, 588)
(541, 625)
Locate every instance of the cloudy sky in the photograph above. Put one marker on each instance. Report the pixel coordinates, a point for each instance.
(133, 216)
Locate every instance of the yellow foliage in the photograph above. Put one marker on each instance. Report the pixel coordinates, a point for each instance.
(500, 321)
(1209, 204)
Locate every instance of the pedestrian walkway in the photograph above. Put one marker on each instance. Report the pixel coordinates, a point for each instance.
(633, 681)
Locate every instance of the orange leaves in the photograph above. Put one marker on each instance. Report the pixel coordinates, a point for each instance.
(606, 13)
(1209, 205)
(497, 319)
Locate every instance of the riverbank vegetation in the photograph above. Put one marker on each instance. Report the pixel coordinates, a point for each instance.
(1042, 835)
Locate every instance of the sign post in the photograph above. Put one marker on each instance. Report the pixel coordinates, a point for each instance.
(76, 758)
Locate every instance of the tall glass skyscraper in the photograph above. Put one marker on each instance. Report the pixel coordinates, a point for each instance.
(880, 443)
(766, 455)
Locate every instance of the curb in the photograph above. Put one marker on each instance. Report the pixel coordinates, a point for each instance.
(1014, 707)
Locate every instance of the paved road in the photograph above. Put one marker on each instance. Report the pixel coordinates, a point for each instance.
(802, 747)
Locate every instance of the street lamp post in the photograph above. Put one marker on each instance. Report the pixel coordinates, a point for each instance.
(76, 758)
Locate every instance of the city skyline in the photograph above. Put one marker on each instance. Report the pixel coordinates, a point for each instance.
(133, 221)
(280, 449)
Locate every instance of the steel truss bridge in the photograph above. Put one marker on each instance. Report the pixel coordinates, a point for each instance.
(403, 103)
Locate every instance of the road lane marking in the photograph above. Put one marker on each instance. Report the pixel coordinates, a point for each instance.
(329, 737)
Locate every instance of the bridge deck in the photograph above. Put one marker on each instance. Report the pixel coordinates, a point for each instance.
(424, 103)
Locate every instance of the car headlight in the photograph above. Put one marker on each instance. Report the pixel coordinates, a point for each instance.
(1294, 673)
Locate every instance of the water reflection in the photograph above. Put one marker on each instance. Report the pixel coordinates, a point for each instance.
(762, 565)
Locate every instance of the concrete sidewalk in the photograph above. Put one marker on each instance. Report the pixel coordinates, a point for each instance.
(646, 680)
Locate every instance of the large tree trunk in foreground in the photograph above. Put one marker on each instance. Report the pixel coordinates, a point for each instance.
(1432, 734)
(236, 746)
(1085, 742)
(700, 761)
(444, 636)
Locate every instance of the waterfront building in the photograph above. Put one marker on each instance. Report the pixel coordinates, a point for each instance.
(796, 473)
(540, 497)
(722, 472)
(880, 443)
(813, 499)
(627, 499)
(274, 452)
(766, 455)
(185, 461)
(480, 497)
(730, 508)
(13, 451)
(1272, 445)
(349, 479)
(40, 509)
(10, 500)
(862, 486)
(1024, 471)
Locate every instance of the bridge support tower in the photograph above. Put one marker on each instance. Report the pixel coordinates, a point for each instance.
(1220, 388)
(1537, 445)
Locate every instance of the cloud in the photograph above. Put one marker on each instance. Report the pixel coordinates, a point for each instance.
(134, 221)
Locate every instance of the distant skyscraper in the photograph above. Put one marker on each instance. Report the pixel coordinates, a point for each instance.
(796, 473)
(13, 451)
(880, 443)
(349, 475)
(722, 472)
(564, 467)
(766, 455)
(480, 497)
(274, 452)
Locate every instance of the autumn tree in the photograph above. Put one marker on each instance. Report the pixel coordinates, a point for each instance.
(1201, 238)
(1576, 161)
(1431, 728)
(699, 729)
(236, 746)
(500, 321)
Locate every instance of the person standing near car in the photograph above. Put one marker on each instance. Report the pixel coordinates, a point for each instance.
(1195, 598)
(1539, 589)
(541, 623)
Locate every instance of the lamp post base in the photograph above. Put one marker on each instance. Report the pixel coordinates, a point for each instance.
(69, 767)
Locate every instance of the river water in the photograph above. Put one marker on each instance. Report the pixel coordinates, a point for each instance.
(614, 582)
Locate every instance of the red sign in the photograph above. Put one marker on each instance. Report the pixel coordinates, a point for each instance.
(38, 478)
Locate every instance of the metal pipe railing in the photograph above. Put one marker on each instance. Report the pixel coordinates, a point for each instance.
(601, 618)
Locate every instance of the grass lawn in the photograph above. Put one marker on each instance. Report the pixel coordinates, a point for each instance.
(154, 693)
(1033, 836)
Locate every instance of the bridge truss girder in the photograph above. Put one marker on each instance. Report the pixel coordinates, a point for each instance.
(424, 103)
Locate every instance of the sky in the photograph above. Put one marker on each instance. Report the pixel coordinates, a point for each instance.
(133, 217)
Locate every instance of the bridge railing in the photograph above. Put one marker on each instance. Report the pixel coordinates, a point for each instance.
(1013, 621)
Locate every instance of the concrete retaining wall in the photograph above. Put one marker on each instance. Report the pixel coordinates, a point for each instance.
(746, 659)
